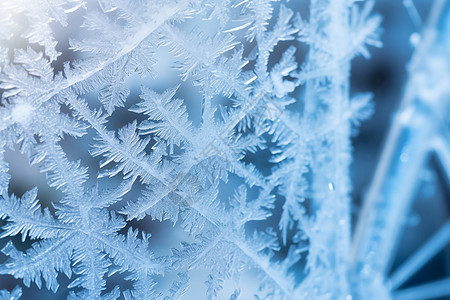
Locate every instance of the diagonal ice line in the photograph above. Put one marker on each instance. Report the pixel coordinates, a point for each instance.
(430, 290)
(413, 13)
(130, 44)
(421, 256)
(441, 147)
(439, 239)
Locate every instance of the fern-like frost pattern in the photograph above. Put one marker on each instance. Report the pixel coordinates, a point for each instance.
(229, 121)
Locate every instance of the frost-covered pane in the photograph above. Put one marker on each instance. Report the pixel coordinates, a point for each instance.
(189, 148)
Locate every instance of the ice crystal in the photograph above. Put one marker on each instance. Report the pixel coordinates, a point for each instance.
(239, 136)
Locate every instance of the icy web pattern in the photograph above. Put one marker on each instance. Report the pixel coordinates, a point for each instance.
(230, 120)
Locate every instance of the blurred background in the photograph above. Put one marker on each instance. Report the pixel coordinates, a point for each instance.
(385, 75)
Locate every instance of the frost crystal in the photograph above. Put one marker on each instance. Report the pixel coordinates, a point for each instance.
(230, 120)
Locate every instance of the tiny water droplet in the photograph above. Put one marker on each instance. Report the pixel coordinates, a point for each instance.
(22, 112)
(331, 186)
(414, 39)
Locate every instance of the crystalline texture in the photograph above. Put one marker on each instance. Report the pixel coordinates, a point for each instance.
(242, 145)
